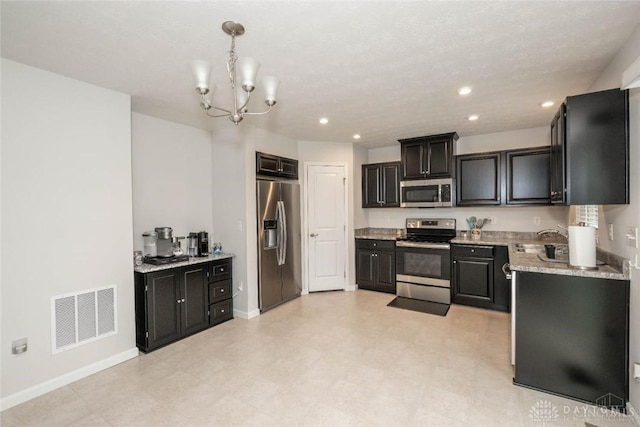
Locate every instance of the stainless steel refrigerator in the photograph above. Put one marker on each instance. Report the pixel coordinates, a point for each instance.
(279, 243)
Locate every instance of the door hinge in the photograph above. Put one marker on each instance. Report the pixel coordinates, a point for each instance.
(207, 274)
(345, 274)
(146, 335)
(146, 288)
(344, 181)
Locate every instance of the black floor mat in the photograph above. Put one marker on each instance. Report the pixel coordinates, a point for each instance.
(421, 306)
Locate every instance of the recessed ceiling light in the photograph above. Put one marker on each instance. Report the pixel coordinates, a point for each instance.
(323, 121)
(546, 104)
(466, 90)
(473, 117)
(356, 136)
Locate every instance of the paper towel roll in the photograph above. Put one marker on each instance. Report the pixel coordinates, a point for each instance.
(582, 246)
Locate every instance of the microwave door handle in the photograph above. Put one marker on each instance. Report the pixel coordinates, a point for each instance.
(440, 193)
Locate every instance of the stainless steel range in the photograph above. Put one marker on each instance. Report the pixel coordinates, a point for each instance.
(423, 261)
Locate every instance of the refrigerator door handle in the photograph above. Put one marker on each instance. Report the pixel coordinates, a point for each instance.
(284, 233)
(281, 237)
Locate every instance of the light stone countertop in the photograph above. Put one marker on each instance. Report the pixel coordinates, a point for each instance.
(149, 268)
(614, 268)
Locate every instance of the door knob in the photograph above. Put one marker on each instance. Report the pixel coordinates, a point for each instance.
(313, 235)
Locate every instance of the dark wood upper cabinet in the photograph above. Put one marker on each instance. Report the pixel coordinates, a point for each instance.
(381, 185)
(428, 156)
(275, 166)
(528, 176)
(557, 184)
(590, 149)
(479, 179)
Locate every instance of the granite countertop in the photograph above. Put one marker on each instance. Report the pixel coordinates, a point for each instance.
(379, 233)
(614, 268)
(149, 268)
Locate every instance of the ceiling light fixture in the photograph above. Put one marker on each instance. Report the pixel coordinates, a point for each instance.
(473, 117)
(546, 104)
(323, 121)
(464, 90)
(356, 136)
(248, 69)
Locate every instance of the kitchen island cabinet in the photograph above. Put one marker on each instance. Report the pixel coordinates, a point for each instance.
(175, 301)
(572, 336)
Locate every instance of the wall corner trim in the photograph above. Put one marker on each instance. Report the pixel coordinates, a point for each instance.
(633, 413)
(66, 379)
(246, 315)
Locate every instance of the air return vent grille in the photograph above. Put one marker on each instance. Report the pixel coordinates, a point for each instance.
(82, 317)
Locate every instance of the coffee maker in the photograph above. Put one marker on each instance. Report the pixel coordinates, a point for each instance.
(203, 243)
(192, 244)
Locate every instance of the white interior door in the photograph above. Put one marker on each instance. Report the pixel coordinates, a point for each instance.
(326, 227)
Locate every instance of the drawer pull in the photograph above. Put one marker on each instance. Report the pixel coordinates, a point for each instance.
(221, 311)
(221, 291)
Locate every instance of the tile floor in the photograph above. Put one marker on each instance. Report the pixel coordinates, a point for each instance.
(327, 359)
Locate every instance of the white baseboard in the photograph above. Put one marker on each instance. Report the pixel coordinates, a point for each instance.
(351, 288)
(63, 380)
(246, 315)
(633, 413)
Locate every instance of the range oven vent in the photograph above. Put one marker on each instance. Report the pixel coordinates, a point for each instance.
(82, 317)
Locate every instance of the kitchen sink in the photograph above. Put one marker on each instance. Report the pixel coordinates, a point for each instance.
(529, 248)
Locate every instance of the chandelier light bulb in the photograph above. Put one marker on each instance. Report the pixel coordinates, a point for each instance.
(466, 90)
(201, 73)
(473, 117)
(248, 72)
(242, 98)
(270, 85)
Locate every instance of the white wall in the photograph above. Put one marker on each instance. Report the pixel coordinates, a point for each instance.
(627, 215)
(66, 222)
(234, 199)
(508, 218)
(172, 178)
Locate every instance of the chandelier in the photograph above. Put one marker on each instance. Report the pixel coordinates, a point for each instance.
(247, 69)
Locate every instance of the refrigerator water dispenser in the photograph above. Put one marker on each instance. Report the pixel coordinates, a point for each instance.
(270, 233)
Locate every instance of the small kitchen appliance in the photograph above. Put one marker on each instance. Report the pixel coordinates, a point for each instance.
(164, 242)
(150, 247)
(192, 244)
(203, 243)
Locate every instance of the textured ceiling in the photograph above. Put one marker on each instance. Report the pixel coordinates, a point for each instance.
(384, 69)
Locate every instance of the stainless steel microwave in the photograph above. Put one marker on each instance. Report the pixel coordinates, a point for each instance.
(427, 193)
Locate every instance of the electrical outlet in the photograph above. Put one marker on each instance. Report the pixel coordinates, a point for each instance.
(610, 229)
(536, 220)
(632, 237)
(636, 371)
(240, 286)
(493, 220)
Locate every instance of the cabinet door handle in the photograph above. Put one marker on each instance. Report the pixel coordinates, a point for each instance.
(313, 235)
(183, 300)
(178, 301)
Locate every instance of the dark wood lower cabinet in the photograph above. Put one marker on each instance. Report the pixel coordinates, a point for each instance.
(478, 279)
(572, 337)
(176, 302)
(376, 265)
